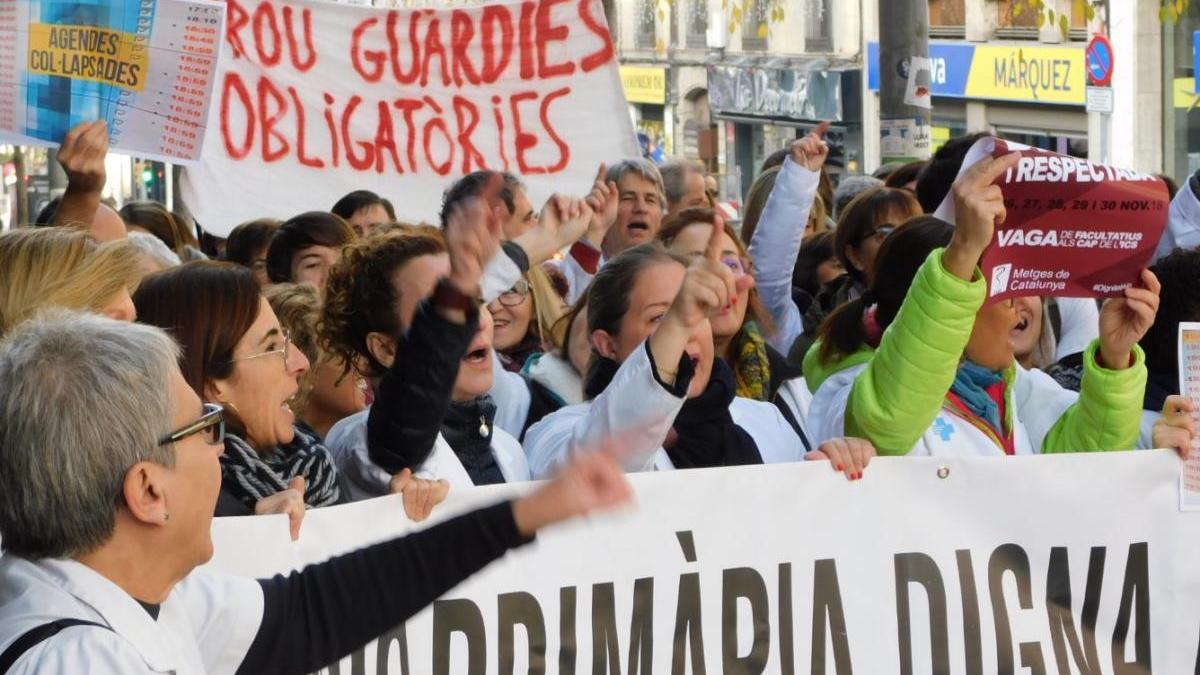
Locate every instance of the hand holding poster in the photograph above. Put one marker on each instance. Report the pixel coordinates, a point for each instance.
(317, 99)
(145, 67)
(1072, 228)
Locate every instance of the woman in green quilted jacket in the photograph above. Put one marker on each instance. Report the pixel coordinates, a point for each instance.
(920, 365)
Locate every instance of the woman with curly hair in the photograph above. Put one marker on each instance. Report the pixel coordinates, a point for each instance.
(328, 393)
(424, 342)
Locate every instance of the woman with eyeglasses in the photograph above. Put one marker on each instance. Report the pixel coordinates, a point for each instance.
(525, 317)
(237, 355)
(106, 519)
(920, 364)
(740, 332)
(653, 380)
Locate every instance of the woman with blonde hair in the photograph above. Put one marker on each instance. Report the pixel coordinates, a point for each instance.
(64, 267)
(526, 317)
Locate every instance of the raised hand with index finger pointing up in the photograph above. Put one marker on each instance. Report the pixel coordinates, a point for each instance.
(474, 230)
(811, 151)
(603, 202)
(709, 286)
(978, 209)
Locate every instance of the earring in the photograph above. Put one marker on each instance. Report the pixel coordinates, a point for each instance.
(166, 517)
(231, 408)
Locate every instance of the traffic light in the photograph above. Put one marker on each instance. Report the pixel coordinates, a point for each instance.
(153, 183)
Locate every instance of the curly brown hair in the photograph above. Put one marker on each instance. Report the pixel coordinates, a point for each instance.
(360, 297)
(298, 307)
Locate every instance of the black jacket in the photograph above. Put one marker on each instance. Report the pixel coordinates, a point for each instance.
(413, 396)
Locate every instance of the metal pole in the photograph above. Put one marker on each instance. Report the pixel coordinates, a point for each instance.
(904, 79)
(22, 191)
(57, 175)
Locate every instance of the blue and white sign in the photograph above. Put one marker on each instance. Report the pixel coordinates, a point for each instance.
(950, 64)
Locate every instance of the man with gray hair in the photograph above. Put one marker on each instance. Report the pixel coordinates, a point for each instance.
(684, 185)
(635, 216)
(109, 473)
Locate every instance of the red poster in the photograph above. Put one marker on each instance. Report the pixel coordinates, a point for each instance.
(1073, 228)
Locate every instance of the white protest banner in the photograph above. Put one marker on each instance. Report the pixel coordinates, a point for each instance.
(1072, 228)
(146, 67)
(317, 99)
(944, 565)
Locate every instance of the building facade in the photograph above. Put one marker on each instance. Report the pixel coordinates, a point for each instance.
(728, 82)
(994, 69)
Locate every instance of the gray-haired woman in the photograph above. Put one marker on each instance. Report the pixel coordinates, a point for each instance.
(108, 549)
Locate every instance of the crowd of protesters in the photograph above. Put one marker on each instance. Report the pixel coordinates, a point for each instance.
(340, 355)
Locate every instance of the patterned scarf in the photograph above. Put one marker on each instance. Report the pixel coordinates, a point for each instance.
(971, 383)
(751, 369)
(250, 476)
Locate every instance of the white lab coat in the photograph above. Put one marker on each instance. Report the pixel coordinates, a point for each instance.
(577, 275)
(1035, 399)
(206, 624)
(776, 245)
(639, 411)
(1183, 223)
(360, 478)
(558, 375)
(510, 391)
(1080, 325)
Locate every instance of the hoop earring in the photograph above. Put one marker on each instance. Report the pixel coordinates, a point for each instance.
(231, 408)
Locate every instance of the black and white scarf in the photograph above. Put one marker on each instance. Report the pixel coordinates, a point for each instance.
(250, 475)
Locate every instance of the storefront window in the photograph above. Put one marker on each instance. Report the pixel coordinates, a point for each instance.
(818, 32)
(754, 25)
(1078, 26)
(944, 129)
(947, 18)
(1015, 19)
(1075, 146)
(645, 38)
(697, 24)
(1181, 114)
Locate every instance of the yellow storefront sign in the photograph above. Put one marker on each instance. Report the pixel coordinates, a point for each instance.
(644, 84)
(88, 53)
(1031, 74)
(1184, 91)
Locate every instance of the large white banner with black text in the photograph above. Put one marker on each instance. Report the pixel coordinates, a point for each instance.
(1071, 564)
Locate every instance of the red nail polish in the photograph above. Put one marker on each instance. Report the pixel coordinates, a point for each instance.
(858, 476)
(733, 300)
(840, 467)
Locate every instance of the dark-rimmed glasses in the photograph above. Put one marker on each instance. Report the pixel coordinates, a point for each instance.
(212, 422)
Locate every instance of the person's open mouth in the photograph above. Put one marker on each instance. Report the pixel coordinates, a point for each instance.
(479, 355)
